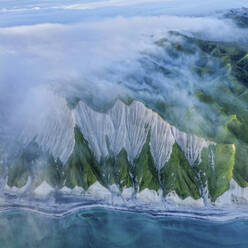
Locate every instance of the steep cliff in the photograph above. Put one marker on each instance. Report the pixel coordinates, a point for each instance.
(128, 148)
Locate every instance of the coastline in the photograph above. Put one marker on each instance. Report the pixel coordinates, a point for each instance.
(52, 209)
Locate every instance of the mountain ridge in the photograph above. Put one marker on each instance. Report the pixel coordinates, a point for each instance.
(129, 146)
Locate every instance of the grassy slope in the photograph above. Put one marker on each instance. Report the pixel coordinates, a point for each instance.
(177, 175)
(27, 164)
(146, 175)
(220, 171)
(21, 167)
(81, 169)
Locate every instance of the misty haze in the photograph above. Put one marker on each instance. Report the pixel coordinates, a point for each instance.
(123, 123)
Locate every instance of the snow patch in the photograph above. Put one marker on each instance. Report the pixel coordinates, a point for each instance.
(97, 191)
(236, 195)
(148, 196)
(127, 193)
(52, 130)
(174, 199)
(43, 190)
(75, 191)
(65, 190)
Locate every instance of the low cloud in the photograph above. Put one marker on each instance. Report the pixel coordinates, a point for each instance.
(98, 61)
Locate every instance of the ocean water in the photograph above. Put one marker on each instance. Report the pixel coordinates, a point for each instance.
(100, 228)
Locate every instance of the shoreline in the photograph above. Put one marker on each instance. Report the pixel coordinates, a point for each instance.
(51, 209)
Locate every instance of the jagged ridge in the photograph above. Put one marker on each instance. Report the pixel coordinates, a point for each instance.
(130, 146)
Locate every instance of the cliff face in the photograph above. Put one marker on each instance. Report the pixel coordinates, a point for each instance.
(121, 127)
(129, 149)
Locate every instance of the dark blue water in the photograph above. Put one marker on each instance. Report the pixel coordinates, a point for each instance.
(102, 228)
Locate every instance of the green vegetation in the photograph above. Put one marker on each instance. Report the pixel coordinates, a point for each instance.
(21, 167)
(216, 168)
(123, 177)
(223, 110)
(116, 170)
(239, 16)
(177, 175)
(54, 174)
(219, 114)
(19, 172)
(233, 57)
(145, 173)
(108, 171)
(220, 174)
(81, 168)
(240, 172)
(39, 166)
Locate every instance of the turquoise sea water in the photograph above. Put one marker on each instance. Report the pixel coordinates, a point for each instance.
(100, 228)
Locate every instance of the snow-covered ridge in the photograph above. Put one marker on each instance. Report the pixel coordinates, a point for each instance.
(122, 126)
(127, 126)
(52, 127)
